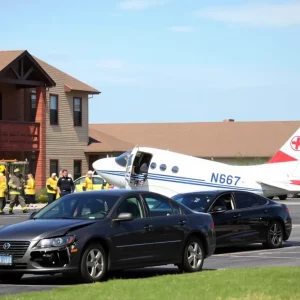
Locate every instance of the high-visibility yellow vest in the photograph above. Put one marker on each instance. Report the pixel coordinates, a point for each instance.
(30, 187)
(53, 183)
(88, 184)
(3, 186)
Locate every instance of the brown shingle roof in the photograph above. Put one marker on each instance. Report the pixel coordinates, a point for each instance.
(106, 143)
(6, 57)
(71, 83)
(205, 139)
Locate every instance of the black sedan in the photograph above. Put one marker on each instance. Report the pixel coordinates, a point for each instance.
(88, 234)
(242, 217)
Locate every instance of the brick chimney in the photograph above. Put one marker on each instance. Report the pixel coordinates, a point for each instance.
(228, 120)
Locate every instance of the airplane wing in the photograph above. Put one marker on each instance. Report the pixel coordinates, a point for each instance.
(290, 187)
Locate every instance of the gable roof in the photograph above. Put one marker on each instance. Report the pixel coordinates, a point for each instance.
(8, 58)
(203, 139)
(71, 83)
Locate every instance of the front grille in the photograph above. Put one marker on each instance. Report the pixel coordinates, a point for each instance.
(17, 248)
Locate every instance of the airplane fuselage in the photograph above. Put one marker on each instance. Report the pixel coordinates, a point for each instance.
(171, 173)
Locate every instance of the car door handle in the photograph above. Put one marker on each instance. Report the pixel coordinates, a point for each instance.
(148, 227)
(182, 222)
(237, 216)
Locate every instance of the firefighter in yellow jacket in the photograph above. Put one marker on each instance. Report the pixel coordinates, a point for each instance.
(16, 188)
(52, 188)
(88, 182)
(30, 190)
(3, 189)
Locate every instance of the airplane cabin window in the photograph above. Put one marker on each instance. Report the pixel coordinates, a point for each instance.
(175, 169)
(163, 167)
(153, 165)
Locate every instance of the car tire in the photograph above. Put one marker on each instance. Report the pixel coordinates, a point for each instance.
(93, 265)
(10, 278)
(193, 256)
(282, 197)
(274, 236)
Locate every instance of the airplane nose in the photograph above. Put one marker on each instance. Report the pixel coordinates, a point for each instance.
(110, 171)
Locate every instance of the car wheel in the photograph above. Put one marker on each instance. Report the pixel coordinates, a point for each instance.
(282, 197)
(274, 236)
(93, 263)
(193, 256)
(10, 278)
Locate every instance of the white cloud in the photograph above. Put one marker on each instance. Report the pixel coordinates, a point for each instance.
(140, 4)
(112, 64)
(182, 28)
(270, 15)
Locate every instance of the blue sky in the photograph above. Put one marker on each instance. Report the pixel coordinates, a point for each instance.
(168, 60)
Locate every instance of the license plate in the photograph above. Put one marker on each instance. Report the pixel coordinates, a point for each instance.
(5, 260)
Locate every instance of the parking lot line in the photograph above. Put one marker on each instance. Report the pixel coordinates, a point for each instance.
(264, 257)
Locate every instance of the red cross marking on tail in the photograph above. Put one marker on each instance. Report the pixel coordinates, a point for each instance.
(295, 143)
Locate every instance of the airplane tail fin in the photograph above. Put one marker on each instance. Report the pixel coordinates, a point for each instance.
(290, 151)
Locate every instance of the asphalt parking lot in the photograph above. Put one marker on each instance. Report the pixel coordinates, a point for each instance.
(250, 256)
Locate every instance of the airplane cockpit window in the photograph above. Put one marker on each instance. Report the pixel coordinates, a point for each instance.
(122, 159)
(175, 169)
(153, 166)
(163, 167)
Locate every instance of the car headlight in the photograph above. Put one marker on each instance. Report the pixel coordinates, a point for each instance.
(56, 242)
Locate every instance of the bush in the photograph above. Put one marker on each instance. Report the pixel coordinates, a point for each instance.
(41, 196)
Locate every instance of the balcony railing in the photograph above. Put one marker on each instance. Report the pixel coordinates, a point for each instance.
(19, 136)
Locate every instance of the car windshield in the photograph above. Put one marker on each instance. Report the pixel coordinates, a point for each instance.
(197, 202)
(122, 159)
(77, 206)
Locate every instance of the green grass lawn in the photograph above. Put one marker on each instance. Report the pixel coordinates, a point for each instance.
(243, 284)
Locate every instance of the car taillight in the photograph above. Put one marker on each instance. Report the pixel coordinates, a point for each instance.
(212, 224)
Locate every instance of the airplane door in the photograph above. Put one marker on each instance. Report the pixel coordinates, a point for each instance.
(129, 183)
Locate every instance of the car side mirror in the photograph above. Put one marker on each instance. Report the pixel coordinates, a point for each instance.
(32, 215)
(218, 209)
(123, 217)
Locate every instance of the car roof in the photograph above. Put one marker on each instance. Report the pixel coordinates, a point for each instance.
(119, 192)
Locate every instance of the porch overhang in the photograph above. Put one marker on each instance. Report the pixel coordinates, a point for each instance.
(90, 91)
(21, 69)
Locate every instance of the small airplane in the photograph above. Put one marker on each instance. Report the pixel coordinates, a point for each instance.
(170, 173)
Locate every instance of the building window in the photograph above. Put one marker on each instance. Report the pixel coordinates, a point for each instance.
(53, 166)
(77, 169)
(32, 107)
(77, 111)
(53, 110)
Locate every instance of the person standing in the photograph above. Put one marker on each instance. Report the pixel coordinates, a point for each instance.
(88, 182)
(3, 189)
(30, 190)
(65, 184)
(16, 189)
(52, 188)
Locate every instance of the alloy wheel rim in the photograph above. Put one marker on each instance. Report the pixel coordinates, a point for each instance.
(94, 263)
(194, 255)
(275, 234)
